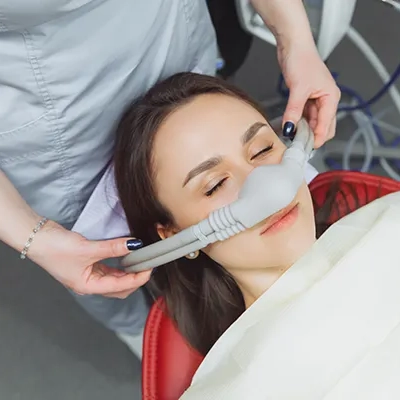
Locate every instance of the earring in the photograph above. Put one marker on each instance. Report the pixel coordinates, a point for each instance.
(193, 255)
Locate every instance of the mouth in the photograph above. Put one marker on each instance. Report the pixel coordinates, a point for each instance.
(281, 219)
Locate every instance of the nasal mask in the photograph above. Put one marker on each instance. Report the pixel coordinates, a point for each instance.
(266, 190)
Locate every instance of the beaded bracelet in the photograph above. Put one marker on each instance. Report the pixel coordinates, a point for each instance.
(36, 229)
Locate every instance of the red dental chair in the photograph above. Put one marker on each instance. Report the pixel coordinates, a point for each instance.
(169, 363)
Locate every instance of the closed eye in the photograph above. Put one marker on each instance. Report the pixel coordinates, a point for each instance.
(263, 151)
(216, 187)
(210, 192)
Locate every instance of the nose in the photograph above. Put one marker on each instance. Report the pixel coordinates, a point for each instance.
(243, 172)
(247, 167)
(267, 190)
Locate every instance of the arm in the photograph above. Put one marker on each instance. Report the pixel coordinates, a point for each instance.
(67, 256)
(17, 218)
(287, 20)
(313, 91)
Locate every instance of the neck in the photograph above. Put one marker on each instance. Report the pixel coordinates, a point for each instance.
(253, 283)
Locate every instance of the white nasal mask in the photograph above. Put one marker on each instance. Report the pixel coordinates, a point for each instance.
(255, 203)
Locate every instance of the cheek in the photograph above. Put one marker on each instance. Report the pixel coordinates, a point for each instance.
(185, 208)
(246, 250)
(227, 253)
(169, 194)
(189, 208)
(279, 150)
(309, 215)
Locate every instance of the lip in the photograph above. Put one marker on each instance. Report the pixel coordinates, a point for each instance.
(275, 218)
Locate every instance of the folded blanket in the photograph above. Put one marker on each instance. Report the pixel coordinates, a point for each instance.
(329, 328)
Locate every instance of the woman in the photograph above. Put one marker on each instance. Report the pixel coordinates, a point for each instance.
(194, 140)
(318, 320)
(68, 69)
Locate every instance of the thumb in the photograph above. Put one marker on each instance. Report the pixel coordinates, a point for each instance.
(112, 248)
(295, 107)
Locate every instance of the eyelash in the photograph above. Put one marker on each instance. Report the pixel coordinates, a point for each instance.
(266, 150)
(216, 187)
(222, 181)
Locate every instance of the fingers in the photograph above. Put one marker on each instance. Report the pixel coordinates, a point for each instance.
(332, 129)
(99, 279)
(319, 109)
(311, 114)
(294, 109)
(326, 115)
(100, 250)
(108, 281)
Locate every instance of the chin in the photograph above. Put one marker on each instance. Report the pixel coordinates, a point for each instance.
(289, 251)
(302, 246)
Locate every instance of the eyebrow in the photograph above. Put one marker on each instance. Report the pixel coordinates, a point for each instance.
(252, 131)
(203, 167)
(215, 161)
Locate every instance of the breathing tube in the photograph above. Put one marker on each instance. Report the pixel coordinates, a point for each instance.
(256, 202)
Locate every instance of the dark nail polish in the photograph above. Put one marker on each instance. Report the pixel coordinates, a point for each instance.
(134, 244)
(288, 129)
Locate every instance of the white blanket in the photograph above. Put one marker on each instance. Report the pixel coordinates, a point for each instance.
(329, 328)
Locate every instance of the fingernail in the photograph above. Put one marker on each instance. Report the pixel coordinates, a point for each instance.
(288, 129)
(134, 244)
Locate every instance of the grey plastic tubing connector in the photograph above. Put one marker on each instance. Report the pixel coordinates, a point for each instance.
(266, 190)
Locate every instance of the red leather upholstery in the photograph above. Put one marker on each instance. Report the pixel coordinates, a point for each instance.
(352, 185)
(168, 362)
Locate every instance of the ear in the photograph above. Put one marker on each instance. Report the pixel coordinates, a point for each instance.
(165, 232)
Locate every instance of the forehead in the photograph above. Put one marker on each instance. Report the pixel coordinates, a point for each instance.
(201, 126)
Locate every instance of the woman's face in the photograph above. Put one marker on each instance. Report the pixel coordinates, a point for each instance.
(202, 154)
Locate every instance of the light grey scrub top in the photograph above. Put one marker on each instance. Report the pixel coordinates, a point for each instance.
(68, 68)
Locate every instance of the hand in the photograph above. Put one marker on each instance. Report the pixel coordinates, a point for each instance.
(74, 261)
(313, 91)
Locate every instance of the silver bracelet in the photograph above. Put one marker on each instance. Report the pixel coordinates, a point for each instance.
(36, 229)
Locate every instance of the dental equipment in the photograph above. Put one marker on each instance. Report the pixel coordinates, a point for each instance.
(330, 21)
(393, 3)
(267, 190)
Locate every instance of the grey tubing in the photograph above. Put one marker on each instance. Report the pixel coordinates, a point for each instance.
(183, 238)
(168, 257)
(220, 225)
(289, 176)
(234, 218)
(283, 195)
(164, 258)
(157, 258)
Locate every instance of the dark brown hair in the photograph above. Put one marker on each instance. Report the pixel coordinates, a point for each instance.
(201, 297)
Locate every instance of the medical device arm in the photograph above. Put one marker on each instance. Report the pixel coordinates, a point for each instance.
(259, 198)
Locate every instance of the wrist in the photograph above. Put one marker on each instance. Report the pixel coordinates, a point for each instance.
(17, 233)
(35, 230)
(296, 50)
(287, 44)
(41, 243)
